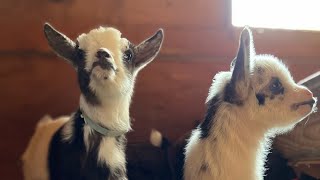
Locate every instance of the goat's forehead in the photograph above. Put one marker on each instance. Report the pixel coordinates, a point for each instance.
(267, 66)
(102, 37)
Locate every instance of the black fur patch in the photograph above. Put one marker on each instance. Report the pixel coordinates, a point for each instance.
(230, 95)
(180, 159)
(212, 108)
(84, 79)
(271, 91)
(276, 87)
(261, 99)
(104, 64)
(165, 143)
(129, 58)
(278, 168)
(70, 160)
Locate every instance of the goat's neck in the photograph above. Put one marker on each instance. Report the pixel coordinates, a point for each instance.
(238, 144)
(112, 112)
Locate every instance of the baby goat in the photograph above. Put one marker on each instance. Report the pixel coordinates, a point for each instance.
(247, 106)
(91, 143)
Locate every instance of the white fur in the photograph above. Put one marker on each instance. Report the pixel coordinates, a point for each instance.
(115, 92)
(67, 131)
(239, 141)
(113, 88)
(110, 153)
(115, 116)
(230, 157)
(108, 38)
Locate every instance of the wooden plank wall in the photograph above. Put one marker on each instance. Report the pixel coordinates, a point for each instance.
(170, 93)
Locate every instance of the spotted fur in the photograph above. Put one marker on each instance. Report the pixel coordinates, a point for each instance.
(247, 106)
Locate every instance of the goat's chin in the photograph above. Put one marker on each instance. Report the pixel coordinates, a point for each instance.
(282, 129)
(103, 75)
(305, 110)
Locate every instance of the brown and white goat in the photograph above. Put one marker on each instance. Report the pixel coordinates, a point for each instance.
(91, 143)
(246, 107)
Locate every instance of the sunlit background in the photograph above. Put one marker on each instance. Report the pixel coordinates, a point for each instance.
(280, 14)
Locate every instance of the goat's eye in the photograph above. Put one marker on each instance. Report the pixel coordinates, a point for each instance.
(128, 55)
(276, 86)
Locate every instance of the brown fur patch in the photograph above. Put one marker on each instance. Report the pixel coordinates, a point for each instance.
(35, 158)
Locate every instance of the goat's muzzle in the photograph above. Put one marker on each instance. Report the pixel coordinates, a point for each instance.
(104, 59)
(104, 64)
(310, 102)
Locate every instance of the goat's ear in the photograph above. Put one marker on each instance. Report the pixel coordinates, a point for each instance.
(146, 51)
(240, 66)
(60, 43)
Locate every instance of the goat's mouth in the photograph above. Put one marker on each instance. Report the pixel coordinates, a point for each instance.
(101, 73)
(310, 102)
(104, 65)
(103, 69)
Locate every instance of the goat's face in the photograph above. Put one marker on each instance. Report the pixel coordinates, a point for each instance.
(260, 88)
(107, 64)
(278, 100)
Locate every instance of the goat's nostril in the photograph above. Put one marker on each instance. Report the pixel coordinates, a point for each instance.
(102, 54)
(309, 93)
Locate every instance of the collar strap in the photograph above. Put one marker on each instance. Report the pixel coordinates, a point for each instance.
(102, 130)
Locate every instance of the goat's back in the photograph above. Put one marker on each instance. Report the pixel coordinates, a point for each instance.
(35, 157)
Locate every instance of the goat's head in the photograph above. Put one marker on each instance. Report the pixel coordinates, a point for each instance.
(260, 88)
(106, 63)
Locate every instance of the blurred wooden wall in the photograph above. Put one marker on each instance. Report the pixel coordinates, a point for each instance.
(170, 93)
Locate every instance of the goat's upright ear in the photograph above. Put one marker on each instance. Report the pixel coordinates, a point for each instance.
(146, 51)
(61, 44)
(238, 88)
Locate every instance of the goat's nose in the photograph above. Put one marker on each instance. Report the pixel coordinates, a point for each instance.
(305, 91)
(308, 93)
(102, 53)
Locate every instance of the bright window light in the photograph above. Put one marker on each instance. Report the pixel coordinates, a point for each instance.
(279, 14)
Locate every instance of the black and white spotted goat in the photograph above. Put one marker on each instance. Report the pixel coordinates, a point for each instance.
(91, 143)
(246, 107)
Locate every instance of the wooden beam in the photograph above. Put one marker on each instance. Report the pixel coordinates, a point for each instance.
(191, 29)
